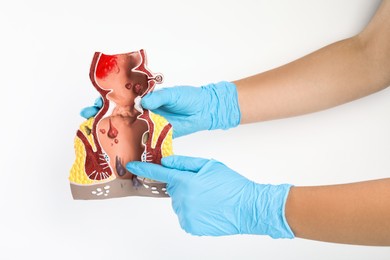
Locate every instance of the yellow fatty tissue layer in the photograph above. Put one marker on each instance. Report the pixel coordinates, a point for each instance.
(159, 124)
(77, 172)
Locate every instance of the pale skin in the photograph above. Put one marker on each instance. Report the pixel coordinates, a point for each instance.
(356, 213)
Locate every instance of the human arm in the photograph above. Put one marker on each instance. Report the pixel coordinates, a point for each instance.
(355, 213)
(211, 199)
(336, 74)
(333, 75)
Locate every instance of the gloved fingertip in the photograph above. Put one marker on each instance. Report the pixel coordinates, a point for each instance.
(157, 99)
(89, 112)
(149, 170)
(145, 102)
(132, 166)
(167, 161)
(98, 102)
(83, 114)
(184, 163)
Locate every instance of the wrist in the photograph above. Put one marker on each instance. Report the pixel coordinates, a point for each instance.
(225, 112)
(266, 211)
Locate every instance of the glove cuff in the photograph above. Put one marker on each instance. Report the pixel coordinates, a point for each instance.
(268, 216)
(226, 114)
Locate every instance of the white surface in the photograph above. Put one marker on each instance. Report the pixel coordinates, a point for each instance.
(46, 49)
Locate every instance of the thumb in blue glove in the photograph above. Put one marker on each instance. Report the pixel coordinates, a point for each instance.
(192, 109)
(211, 199)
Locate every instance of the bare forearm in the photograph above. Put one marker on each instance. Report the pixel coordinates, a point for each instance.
(328, 77)
(357, 213)
(336, 74)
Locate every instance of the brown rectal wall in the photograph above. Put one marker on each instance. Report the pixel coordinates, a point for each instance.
(119, 132)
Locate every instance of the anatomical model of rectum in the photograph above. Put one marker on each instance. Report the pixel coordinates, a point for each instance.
(120, 132)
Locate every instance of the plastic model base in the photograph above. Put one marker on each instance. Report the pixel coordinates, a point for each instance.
(120, 132)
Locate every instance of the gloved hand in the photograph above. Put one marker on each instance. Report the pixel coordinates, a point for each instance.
(211, 199)
(192, 109)
(88, 112)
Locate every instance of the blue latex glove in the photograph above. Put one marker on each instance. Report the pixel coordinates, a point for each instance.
(88, 112)
(192, 109)
(211, 199)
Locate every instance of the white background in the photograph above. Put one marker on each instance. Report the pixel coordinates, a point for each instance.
(46, 50)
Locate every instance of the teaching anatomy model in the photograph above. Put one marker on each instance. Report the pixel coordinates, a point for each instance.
(120, 132)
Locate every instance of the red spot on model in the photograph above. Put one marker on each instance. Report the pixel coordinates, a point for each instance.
(112, 132)
(107, 63)
(103, 131)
